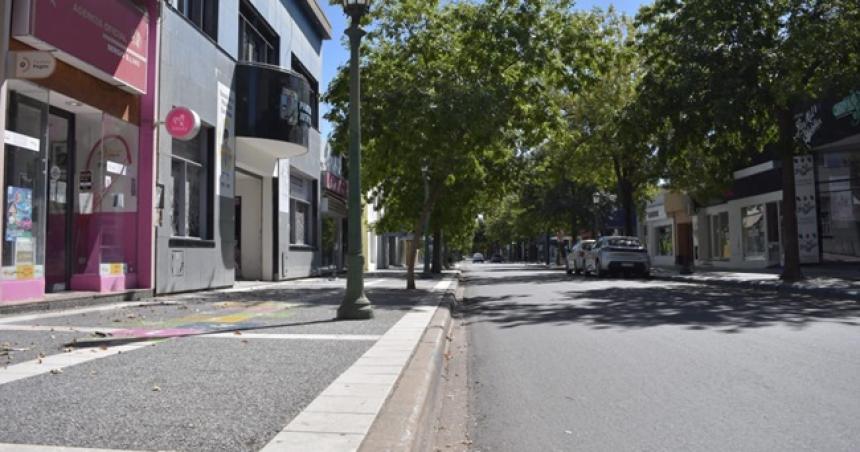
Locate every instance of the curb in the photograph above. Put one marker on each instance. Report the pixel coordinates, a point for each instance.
(405, 417)
(768, 286)
(130, 296)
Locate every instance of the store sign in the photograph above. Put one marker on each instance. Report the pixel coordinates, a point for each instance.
(182, 123)
(335, 184)
(110, 36)
(32, 64)
(849, 107)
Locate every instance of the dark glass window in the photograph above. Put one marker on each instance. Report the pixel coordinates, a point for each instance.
(258, 42)
(202, 13)
(315, 91)
(192, 172)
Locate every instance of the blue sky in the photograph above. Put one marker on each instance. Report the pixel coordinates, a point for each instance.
(336, 54)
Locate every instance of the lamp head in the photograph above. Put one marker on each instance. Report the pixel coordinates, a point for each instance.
(355, 7)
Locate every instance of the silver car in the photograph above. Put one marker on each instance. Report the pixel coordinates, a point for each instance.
(618, 254)
(575, 262)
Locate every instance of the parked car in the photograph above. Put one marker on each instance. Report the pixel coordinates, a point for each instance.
(575, 262)
(618, 254)
(497, 258)
(477, 258)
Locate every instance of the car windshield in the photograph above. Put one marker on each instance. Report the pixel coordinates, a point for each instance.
(624, 242)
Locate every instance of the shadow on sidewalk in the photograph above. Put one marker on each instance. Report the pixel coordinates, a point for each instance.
(697, 308)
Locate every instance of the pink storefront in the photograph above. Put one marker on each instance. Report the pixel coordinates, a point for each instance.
(77, 167)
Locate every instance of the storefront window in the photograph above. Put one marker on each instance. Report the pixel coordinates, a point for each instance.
(753, 231)
(302, 211)
(839, 203)
(720, 236)
(191, 173)
(24, 191)
(663, 238)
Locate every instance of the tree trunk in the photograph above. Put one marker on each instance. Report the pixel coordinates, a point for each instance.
(437, 251)
(626, 196)
(416, 241)
(791, 269)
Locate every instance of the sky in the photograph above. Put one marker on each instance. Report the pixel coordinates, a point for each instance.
(335, 53)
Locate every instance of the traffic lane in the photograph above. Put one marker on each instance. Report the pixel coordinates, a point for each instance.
(628, 365)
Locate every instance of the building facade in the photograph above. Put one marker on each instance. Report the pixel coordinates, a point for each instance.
(241, 199)
(78, 122)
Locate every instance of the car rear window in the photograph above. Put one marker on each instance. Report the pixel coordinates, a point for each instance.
(624, 243)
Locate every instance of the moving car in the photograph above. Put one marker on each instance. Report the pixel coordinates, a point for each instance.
(497, 258)
(575, 262)
(618, 254)
(477, 258)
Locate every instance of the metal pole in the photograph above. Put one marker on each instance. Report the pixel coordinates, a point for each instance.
(355, 305)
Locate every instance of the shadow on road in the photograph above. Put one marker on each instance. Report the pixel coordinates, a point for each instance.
(528, 276)
(696, 307)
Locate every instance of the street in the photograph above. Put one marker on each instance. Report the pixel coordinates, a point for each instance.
(557, 362)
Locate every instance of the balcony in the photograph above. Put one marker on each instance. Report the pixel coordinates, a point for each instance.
(273, 114)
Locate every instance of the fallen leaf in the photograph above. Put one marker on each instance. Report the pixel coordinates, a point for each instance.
(237, 333)
(56, 371)
(156, 388)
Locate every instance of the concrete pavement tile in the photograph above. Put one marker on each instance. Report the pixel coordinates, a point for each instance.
(331, 422)
(316, 442)
(375, 370)
(355, 377)
(358, 389)
(345, 404)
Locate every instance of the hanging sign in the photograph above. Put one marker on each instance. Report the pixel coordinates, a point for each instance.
(182, 123)
(32, 64)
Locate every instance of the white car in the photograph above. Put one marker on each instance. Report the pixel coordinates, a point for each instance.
(618, 254)
(575, 262)
(477, 258)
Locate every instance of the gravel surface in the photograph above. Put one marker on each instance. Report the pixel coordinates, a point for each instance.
(563, 363)
(31, 344)
(184, 394)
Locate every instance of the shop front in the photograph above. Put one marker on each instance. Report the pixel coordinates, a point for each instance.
(835, 143)
(77, 160)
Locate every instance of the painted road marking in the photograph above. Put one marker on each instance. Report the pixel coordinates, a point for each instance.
(231, 335)
(339, 418)
(6, 447)
(52, 363)
(68, 312)
(311, 337)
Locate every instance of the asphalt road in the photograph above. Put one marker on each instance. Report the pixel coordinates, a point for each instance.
(572, 363)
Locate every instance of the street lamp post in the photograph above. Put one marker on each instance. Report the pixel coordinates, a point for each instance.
(596, 198)
(355, 305)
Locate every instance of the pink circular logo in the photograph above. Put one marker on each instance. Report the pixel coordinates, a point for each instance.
(182, 123)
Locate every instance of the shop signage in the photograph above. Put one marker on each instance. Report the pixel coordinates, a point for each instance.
(85, 182)
(182, 123)
(850, 106)
(335, 184)
(109, 36)
(32, 64)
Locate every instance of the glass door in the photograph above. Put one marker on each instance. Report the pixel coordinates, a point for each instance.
(58, 236)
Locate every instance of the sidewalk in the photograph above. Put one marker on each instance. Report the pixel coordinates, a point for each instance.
(840, 282)
(249, 368)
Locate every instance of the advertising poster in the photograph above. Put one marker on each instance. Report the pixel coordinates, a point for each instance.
(19, 213)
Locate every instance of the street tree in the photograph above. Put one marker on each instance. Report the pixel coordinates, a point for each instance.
(726, 80)
(451, 91)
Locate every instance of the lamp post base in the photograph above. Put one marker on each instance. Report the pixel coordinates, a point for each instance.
(359, 309)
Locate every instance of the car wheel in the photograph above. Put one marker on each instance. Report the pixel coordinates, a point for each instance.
(576, 268)
(601, 273)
